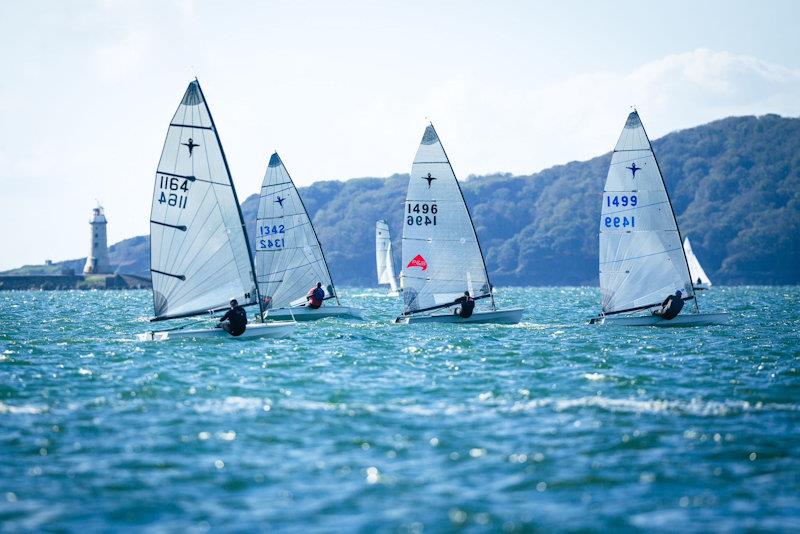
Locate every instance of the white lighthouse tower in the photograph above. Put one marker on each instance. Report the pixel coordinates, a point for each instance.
(98, 262)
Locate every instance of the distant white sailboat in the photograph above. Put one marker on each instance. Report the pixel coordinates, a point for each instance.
(700, 279)
(199, 254)
(441, 254)
(289, 257)
(641, 257)
(384, 259)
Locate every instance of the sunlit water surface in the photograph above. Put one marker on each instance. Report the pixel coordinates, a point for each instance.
(551, 424)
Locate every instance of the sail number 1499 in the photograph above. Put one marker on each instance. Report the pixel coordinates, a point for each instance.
(421, 214)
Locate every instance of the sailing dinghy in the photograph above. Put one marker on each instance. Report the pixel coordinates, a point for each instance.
(441, 254)
(199, 254)
(700, 279)
(289, 257)
(642, 260)
(384, 259)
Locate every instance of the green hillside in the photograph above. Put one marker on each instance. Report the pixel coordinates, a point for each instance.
(735, 186)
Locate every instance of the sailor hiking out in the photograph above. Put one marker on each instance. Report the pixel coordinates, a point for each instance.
(234, 321)
(315, 296)
(467, 306)
(671, 306)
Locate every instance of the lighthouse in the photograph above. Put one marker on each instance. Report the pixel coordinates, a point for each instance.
(97, 262)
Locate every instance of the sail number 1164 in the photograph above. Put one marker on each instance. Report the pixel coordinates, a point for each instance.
(421, 214)
(180, 188)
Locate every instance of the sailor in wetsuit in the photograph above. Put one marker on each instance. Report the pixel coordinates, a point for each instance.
(234, 321)
(467, 305)
(671, 306)
(315, 296)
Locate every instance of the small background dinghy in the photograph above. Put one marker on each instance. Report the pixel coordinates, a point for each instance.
(384, 259)
(289, 257)
(442, 257)
(700, 279)
(642, 259)
(199, 254)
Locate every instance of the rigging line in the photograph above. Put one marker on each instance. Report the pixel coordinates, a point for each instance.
(634, 208)
(631, 258)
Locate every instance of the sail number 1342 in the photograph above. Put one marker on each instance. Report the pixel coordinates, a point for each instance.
(421, 214)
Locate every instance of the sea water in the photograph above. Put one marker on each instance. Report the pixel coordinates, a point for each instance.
(551, 424)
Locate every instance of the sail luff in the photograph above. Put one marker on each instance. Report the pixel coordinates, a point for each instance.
(672, 210)
(235, 198)
(469, 215)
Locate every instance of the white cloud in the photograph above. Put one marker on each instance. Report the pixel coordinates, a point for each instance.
(521, 130)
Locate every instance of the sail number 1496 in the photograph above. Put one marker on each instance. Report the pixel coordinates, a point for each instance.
(421, 214)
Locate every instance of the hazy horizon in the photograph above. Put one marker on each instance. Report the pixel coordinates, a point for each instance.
(345, 91)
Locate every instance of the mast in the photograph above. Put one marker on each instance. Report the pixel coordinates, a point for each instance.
(671, 208)
(469, 215)
(238, 206)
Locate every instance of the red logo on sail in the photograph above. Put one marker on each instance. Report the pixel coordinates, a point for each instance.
(418, 261)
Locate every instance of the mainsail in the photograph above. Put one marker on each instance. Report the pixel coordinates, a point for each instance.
(199, 254)
(384, 260)
(699, 276)
(641, 256)
(441, 254)
(289, 258)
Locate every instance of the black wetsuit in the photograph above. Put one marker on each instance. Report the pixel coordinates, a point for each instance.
(234, 321)
(467, 305)
(672, 306)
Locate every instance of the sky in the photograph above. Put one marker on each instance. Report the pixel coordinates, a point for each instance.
(345, 89)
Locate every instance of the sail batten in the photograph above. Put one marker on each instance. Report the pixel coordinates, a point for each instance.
(199, 257)
(641, 258)
(286, 243)
(441, 255)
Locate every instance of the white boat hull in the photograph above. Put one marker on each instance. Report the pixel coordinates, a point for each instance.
(690, 319)
(510, 316)
(257, 330)
(303, 313)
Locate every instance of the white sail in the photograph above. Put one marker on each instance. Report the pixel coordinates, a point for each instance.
(384, 259)
(699, 276)
(641, 256)
(199, 255)
(289, 259)
(441, 254)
